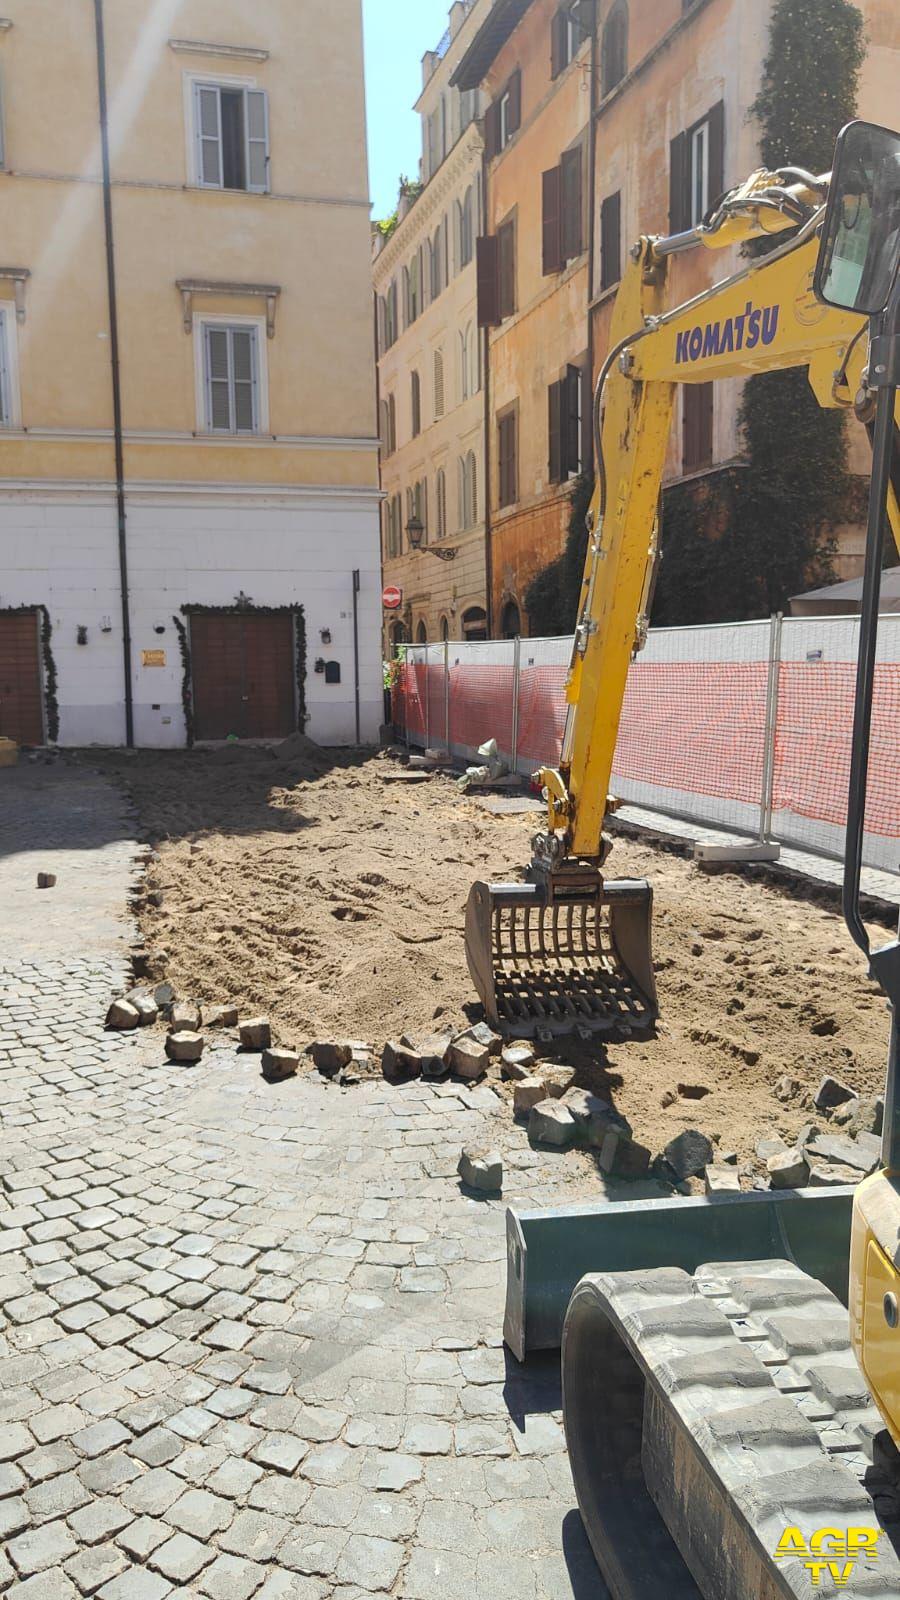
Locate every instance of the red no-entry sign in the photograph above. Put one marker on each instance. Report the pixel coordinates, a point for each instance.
(392, 598)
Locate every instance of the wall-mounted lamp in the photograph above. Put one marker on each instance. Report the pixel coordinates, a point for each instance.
(160, 627)
(81, 634)
(325, 635)
(415, 532)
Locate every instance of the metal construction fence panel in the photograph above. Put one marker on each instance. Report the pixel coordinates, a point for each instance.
(744, 727)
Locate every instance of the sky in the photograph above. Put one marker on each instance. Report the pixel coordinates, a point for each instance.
(397, 34)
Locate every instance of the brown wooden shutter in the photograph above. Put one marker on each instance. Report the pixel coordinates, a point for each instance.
(492, 130)
(697, 441)
(559, 38)
(487, 252)
(572, 387)
(716, 151)
(506, 237)
(611, 240)
(507, 459)
(514, 90)
(572, 168)
(587, 419)
(552, 221)
(556, 473)
(679, 185)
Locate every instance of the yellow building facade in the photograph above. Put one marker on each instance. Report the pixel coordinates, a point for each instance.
(188, 456)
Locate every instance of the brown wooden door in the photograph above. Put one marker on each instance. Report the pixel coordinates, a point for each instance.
(21, 715)
(242, 671)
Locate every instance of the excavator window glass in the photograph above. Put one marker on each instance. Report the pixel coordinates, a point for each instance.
(860, 251)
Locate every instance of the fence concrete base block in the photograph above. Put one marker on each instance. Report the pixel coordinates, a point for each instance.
(737, 852)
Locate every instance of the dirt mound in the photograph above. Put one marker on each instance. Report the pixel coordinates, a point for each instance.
(333, 901)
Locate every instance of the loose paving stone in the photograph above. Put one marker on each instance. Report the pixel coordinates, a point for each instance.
(277, 1065)
(184, 1046)
(255, 1034)
(481, 1169)
(551, 1123)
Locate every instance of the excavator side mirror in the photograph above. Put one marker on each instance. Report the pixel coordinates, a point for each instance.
(860, 251)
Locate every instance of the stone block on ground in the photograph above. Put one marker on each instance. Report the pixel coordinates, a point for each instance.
(146, 1007)
(482, 1034)
(256, 1034)
(185, 1015)
(594, 1117)
(774, 1145)
(788, 1170)
(279, 1064)
(184, 1046)
(528, 1093)
(862, 1153)
(164, 995)
(621, 1156)
(831, 1175)
(721, 1179)
(517, 1061)
(480, 1168)
(787, 1088)
(830, 1093)
(222, 1017)
(432, 1050)
(330, 1055)
(689, 1154)
(122, 1017)
(399, 1064)
(865, 1115)
(468, 1059)
(46, 880)
(552, 1123)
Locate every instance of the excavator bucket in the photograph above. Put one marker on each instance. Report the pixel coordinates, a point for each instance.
(553, 961)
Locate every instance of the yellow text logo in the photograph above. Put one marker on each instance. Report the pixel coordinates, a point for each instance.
(830, 1554)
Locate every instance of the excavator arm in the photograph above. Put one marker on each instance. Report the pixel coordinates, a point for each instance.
(569, 950)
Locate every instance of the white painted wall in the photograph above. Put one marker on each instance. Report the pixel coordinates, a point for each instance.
(187, 547)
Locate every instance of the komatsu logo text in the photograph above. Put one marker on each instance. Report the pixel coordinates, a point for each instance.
(830, 1555)
(755, 325)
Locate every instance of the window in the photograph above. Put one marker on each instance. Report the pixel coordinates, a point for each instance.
(464, 364)
(412, 290)
(445, 630)
(5, 379)
(474, 623)
(231, 127)
(507, 456)
(389, 426)
(510, 621)
(568, 31)
(566, 406)
(438, 384)
(421, 633)
(611, 240)
(467, 228)
(468, 491)
(563, 212)
(440, 510)
(439, 261)
(394, 530)
(614, 48)
(390, 316)
(469, 362)
(697, 170)
(504, 117)
(416, 402)
(697, 430)
(506, 268)
(231, 369)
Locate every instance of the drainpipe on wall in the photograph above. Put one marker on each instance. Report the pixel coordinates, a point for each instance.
(486, 372)
(592, 213)
(114, 363)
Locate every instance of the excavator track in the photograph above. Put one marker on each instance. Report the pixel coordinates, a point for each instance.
(706, 1416)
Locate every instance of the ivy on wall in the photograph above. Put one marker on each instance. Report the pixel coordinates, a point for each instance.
(241, 608)
(51, 700)
(552, 596)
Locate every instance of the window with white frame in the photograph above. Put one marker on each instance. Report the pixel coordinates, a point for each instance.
(464, 364)
(699, 159)
(438, 384)
(441, 498)
(232, 377)
(5, 374)
(231, 132)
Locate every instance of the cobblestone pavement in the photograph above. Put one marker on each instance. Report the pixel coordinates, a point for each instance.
(249, 1335)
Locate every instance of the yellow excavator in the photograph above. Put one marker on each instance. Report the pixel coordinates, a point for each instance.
(568, 950)
(724, 1442)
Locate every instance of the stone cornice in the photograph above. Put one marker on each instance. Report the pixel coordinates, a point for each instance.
(462, 162)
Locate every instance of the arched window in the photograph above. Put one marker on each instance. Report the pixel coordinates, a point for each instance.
(474, 623)
(437, 264)
(614, 47)
(398, 636)
(415, 301)
(383, 429)
(441, 507)
(397, 530)
(422, 633)
(445, 630)
(381, 324)
(472, 477)
(473, 357)
(467, 228)
(416, 403)
(510, 621)
(407, 299)
(438, 384)
(464, 364)
(392, 423)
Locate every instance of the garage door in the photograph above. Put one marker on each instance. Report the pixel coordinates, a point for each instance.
(20, 678)
(243, 675)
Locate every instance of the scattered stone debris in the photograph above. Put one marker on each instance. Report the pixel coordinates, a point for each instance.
(482, 1034)
(222, 1017)
(399, 1064)
(862, 1153)
(789, 1169)
(551, 1123)
(787, 1088)
(689, 1154)
(431, 1050)
(146, 1008)
(774, 1145)
(865, 1115)
(122, 1016)
(517, 1060)
(279, 1064)
(832, 1093)
(185, 1046)
(621, 1156)
(164, 995)
(831, 1175)
(185, 1016)
(528, 1093)
(481, 1169)
(255, 1034)
(46, 880)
